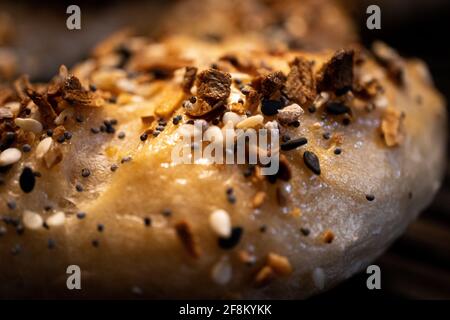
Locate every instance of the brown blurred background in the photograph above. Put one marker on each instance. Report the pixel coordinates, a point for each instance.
(34, 40)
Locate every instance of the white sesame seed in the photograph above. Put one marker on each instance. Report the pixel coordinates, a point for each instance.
(56, 219)
(126, 85)
(321, 99)
(63, 116)
(29, 124)
(43, 147)
(222, 271)
(32, 220)
(271, 125)
(233, 117)
(10, 156)
(251, 122)
(381, 102)
(318, 276)
(220, 223)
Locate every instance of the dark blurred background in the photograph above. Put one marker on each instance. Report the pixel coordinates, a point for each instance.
(33, 38)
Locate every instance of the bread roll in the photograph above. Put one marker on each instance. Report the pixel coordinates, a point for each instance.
(89, 179)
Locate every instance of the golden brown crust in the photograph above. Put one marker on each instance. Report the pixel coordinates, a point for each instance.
(340, 198)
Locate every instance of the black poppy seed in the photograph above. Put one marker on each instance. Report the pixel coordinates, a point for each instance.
(312, 162)
(175, 121)
(11, 205)
(93, 87)
(100, 227)
(9, 139)
(102, 128)
(79, 118)
(110, 130)
(11, 136)
(370, 197)
(336, 108)
(293, 144)
(51, 244)
(231, 198)
(271, 107)
(245, 91)
(285, 138)
(166, 212)
(156, 133)
(121, 135)
(114, 167)
(232, 240)
(26, 148)
(326, 136)
(20, 229)
(79, 187)
(337, 151)
(271, 178)
(126, 159)
(11, 221)
(143, 136)
(263, 228)
(48, 207)
(68, 135)
(147, 221)
(248, 171)
(160, 128)
(61, 138)
(95, 243)
(305, 231)
(312, 109)
(295, 124)
(85, 172)
(50, 132)
(27, 180)
(81, 215)
(113, 122)
(95, 130)
(229, 190)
